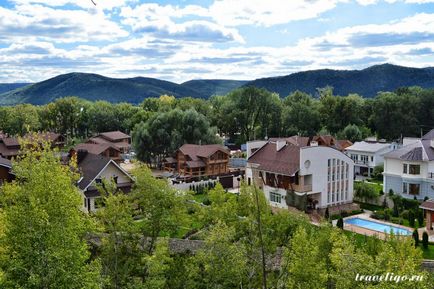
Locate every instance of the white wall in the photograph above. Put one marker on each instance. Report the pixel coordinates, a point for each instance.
(318, 168)
(254, 145)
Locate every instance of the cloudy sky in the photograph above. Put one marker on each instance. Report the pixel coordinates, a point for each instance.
(190, 39)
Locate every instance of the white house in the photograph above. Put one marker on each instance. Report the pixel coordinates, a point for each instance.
(409, 171)
(301, 174)
(93, 170)
(366, 155)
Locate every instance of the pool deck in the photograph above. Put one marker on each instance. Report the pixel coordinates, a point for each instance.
(368, 232)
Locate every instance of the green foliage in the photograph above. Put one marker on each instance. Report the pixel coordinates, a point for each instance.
(411, 218)
(163, 133)
(42, 244)
(365, 191)
(351, 132)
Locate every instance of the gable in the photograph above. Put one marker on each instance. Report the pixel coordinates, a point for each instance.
(110, 171)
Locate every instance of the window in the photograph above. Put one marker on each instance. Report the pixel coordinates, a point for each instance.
(98, 181)
(372, 158)
(405, 168)
(329, 162)
(414, 189)
(405, 188)
(275, 197)
(414, 169)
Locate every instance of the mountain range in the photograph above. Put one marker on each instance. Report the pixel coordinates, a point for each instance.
(366, 82)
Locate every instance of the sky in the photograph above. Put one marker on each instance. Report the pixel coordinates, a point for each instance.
(209, 39)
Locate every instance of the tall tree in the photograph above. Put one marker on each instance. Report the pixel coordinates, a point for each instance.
(43, 243)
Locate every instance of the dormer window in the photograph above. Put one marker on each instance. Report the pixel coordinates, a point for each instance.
(98, 181)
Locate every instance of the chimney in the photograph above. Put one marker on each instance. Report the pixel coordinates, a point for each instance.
(280, 144)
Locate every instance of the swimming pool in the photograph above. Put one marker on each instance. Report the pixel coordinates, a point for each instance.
(376, 226)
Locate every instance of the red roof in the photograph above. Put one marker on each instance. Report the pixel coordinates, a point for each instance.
(427, 205)
(285, 161)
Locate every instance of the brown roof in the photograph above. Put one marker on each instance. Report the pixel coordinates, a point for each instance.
(94, 148)
(114, 135)
(195, 164)
(428, 205)
(101, 140)
(47, 136)
(294, 140)
(5, 162)
(8, 151)
(286, 161)
(11, 142)
(344, 143)
(195, 152)
(170, 160)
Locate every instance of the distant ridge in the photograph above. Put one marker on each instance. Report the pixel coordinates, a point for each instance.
(366, 82)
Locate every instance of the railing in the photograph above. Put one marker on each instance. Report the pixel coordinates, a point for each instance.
(361, 162)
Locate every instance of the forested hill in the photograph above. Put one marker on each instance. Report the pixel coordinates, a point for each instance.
(367, 82)
(97, 87)
(5, 87)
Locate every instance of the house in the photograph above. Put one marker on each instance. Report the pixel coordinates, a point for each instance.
(409, 171)
(93, 170)
(10, 146)
(299, 172)
(6, 174)
(117, 139)
(367, 155)
(193, 160)
(103, 149)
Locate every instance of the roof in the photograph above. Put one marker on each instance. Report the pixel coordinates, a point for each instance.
(195, 164)
(170, 160)
(286, 161)
(5, 162)
(364, 146)
(114, 135)
(429, 135)
(11, 141)
(344, 143)
(8, 151)
(295, 140)
(94, 148)
(47, 136)
(195, 152)
(427, 205)
(90, 167)
(420, 150)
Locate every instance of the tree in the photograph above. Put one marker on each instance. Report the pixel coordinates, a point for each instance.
(340, 223)
(351, 132)
(303, 262)
(416, 237)
(411, 218)
(159, 207)
(120, 254)
(43, 243)
(222, 263)
(425, 240)
(365, 192)
(162, 134)
(300, 114)
(420, 217)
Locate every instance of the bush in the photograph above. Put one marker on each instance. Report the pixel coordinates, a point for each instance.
(344, 214)
(377, 174)
(416, 237)
(206, 201)
(327, 213)
(404, 214)
(387, 214)
(425, 240)
(340, 223)
(379, 215)
(365, 192)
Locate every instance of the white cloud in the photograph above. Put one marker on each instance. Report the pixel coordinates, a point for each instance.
(268, 13)
(87, 4)
(57, 25)
(158, 20)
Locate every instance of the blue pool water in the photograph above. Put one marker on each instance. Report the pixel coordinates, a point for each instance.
(380, 227)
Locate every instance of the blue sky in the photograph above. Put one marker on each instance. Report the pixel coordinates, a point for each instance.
(192, 39)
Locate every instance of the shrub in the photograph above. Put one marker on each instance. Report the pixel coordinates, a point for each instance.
(404, 214)
(327, 213)
(425, 240)
(391, 193)
(387, 214)
(340, 223)
(379, 215)
(206, 201)
(377, 174)
(344, 214)
(365, 192)
(416, 237)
